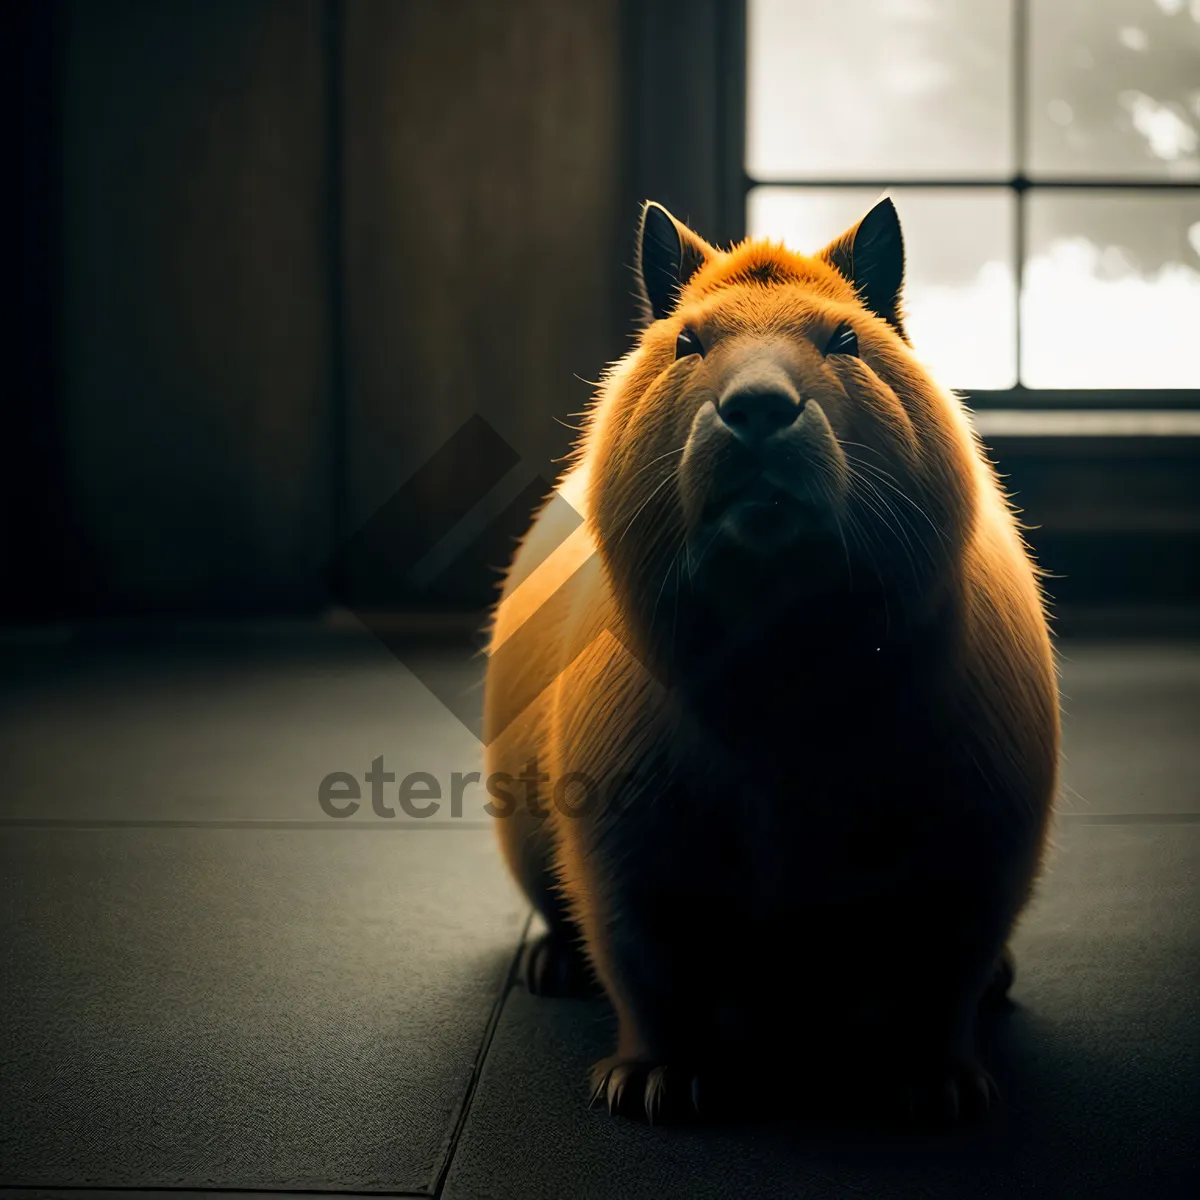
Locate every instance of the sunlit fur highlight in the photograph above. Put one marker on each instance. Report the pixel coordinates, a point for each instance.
(928, 516)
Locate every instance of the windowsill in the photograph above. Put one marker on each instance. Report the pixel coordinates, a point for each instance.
(1048, 422)
(1133, 399)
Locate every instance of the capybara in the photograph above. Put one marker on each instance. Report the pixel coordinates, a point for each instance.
(778, 654)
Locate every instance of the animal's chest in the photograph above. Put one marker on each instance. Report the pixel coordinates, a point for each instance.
(760, 838)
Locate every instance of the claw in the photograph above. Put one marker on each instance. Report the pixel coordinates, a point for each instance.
(653, 1099)
(598, 1092)
(642, 1091)
(963, 1092)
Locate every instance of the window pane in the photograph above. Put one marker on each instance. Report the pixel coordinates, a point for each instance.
(1111, 290)
(879, 89)
(1114, 88)
(960, 294)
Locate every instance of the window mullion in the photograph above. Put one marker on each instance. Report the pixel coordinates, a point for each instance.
(1020, 100)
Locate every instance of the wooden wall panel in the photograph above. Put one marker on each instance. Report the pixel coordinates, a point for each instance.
(487, 239)
(33, 512)
(195, 291)
(270, 254)
(687, 71)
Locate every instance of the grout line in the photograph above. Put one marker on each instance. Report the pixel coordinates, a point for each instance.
(107, 825)
(1168, 818)
(180, 1190)
(251, 824)
(489, 1034)
(451, 1144)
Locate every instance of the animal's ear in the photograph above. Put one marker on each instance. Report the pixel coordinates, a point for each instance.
(870, 255)
(668, 255)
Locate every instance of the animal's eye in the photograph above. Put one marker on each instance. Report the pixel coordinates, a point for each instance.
(688, 343)
(844, 341)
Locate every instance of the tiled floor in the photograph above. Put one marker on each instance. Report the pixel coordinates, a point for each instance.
(211, 984)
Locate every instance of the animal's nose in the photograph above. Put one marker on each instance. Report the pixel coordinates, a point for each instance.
(754, 413)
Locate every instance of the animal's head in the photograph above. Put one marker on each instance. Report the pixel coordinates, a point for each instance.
(773, 432)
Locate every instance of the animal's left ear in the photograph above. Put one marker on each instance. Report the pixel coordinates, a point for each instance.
(668, 255)
(871, 256)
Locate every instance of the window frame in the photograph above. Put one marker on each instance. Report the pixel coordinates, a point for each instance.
(739, 183)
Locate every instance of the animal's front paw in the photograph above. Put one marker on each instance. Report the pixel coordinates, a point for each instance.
(646, 1091)
(943, 1093)
(995, 995)
(554, 967)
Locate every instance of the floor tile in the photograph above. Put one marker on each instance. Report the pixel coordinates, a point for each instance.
(1098, 1064)
(245, 1008)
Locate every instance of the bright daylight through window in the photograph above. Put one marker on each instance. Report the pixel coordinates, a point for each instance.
(1045, 146)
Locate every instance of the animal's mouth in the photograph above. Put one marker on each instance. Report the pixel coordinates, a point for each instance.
(762, 516)
(761, 525)
(763, 496)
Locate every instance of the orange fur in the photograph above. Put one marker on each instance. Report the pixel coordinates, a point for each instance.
(755, 792)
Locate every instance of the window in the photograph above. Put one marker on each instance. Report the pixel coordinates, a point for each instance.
(1045, 159)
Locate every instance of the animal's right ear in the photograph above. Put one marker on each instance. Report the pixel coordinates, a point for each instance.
(668, 255)
(870, 255)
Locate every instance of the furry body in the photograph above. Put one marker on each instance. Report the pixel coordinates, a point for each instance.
(815, 694)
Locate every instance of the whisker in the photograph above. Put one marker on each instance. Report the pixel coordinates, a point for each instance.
(869, 495)
(889, 482)
(657, 488)
(675, 617)
(703, 554)
(671, 565)
(863, 539)
(642, 470)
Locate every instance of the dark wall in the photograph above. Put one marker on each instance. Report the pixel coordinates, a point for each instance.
(269, 254)
(486, 224)
(275, 251)
(1115, 521)
(32, 512)
(195, 288)
(167, 444)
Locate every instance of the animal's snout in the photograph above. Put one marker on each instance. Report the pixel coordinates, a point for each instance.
(754, 415)
(758, 403)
